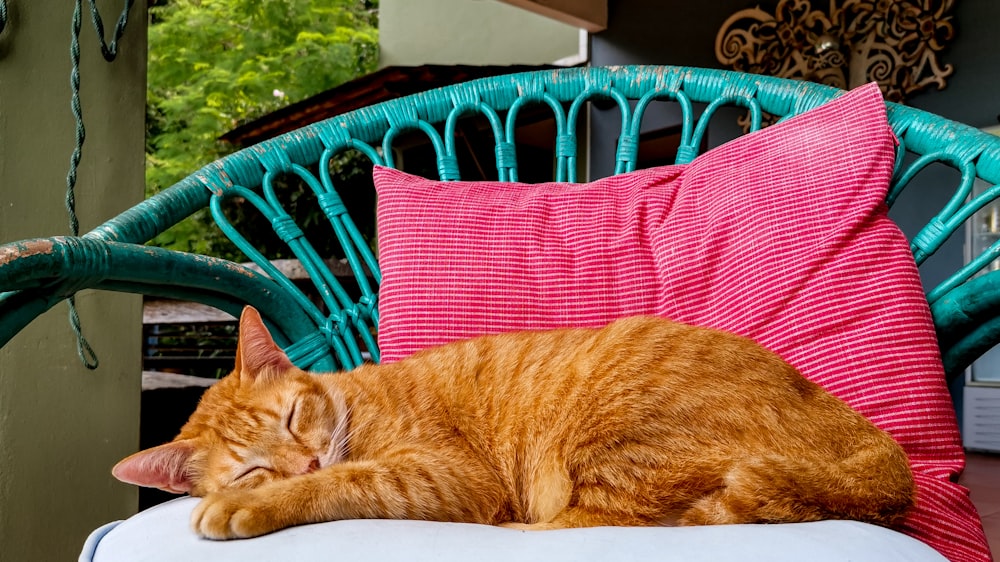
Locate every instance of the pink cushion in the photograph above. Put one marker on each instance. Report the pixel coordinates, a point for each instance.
(781, 236)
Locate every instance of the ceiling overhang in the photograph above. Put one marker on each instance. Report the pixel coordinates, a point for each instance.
(591, 15)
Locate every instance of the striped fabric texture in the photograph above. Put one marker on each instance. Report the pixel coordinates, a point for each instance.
(780, 235)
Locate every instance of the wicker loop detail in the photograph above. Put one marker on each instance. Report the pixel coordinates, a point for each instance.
(989, 163)
(335, 325)
(506, 155)
(628, 149)
(686, 154)
(332, 205)
(929, 239)
(351, 316)
(400, 113)
(308, 350)
(448, 168)
(241, 169)
(339, 339)
(332, 136)
(565, 146)
(218, 183)
(90, 259)
(368, 304)
(273, 159)
(286, 229)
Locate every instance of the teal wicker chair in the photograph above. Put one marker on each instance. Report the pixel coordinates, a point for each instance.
(336, 330)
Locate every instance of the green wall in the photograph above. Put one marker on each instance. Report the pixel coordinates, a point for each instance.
(415, 32)
(62, 426)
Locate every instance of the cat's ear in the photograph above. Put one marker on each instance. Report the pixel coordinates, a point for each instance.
(256, 351)
(163, 467)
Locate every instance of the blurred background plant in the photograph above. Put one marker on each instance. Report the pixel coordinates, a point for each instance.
(216, 64)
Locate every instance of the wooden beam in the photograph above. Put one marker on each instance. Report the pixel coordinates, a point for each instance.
(591, 15)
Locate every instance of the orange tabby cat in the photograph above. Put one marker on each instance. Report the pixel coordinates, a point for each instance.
(643, 422)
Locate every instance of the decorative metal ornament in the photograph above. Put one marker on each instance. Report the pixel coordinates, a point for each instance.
(892, 42)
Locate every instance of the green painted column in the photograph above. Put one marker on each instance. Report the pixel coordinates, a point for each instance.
(62, 426)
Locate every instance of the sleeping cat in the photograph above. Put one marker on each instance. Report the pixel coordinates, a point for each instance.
(642, 422)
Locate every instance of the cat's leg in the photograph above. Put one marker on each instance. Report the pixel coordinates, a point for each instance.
(448, 485)
(753, 491)
(609, 495)
(773, 489)
(548, 489)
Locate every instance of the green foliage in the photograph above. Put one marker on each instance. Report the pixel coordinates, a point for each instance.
(214, 64)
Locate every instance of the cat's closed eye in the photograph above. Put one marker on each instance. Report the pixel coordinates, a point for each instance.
(289, 425)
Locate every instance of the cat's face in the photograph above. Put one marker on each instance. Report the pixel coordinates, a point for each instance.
(267, 420)
(263, 428)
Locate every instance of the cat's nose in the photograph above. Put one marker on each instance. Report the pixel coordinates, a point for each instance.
(313, 465)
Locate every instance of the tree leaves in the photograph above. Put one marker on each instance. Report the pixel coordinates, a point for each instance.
(214, 64)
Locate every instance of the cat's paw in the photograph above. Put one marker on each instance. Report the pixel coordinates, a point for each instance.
(234, 514)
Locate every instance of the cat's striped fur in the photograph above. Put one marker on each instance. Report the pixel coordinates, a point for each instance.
(643, 422)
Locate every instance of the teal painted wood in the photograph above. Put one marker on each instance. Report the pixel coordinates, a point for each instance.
(34, 275)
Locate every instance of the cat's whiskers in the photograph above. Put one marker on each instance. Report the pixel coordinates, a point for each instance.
(340, 436)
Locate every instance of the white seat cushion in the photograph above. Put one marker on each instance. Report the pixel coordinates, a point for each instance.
(162, 533)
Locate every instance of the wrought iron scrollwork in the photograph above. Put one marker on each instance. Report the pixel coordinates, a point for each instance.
(892, 42)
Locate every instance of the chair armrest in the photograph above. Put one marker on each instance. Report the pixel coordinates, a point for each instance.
(967, 320)
(36, 274)
(150, 217)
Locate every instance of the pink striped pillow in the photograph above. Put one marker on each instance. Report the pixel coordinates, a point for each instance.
(781, 236)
